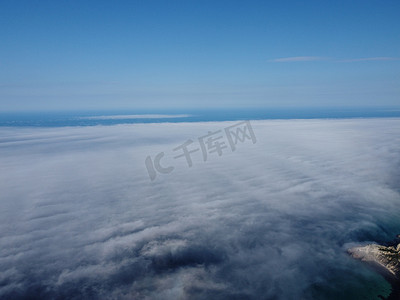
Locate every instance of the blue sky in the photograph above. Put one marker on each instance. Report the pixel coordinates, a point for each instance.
(71, 55)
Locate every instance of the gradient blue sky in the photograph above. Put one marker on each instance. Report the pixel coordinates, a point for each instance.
(71, 55)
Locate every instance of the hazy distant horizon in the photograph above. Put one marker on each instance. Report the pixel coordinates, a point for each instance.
(113, 117)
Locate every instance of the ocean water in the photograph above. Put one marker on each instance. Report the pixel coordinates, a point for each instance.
(113, 117)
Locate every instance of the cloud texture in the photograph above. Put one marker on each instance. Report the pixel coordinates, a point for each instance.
(80, 218)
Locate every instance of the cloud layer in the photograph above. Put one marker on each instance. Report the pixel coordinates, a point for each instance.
(80, 218)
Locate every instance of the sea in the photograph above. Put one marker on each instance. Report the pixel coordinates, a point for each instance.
(129, 116)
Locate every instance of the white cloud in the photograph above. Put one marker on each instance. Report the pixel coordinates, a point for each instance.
(298, 58)
(79, 216)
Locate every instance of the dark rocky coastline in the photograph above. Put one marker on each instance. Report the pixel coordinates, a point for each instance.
(385, 259)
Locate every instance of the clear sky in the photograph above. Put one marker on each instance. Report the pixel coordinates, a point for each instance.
(71, 55)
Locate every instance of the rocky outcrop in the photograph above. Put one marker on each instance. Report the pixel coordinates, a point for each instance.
(386, 256)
